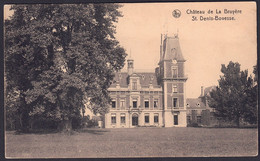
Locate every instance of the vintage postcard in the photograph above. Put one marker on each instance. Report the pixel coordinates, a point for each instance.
(131, 80)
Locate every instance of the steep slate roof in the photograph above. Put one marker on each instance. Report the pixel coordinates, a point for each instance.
(169, 44)
(193, 103)
(145, 78)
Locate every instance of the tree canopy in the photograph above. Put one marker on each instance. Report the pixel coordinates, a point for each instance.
(60, 57)
(235, 97)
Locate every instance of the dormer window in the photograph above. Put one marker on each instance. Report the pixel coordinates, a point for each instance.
(143, 77)
(198, 104)
(134, 85)
(130, 64)
(188, 105)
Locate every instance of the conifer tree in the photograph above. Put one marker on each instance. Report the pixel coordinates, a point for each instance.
(233, 97)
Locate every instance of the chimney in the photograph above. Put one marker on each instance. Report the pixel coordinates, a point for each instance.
(202, 91)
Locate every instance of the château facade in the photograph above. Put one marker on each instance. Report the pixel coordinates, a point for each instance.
(151, 98)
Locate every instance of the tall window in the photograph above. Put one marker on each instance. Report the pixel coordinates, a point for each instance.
(122, 118)
(174, 88)
(175, 120)
(146, 103)
(113, 118)
(155, 103)
(156, 118)
(175, 102)
(174, 72)
(146, 118)
(122, 103)
(113, 104)
(199, 119)
(134, 103)
(134, 85)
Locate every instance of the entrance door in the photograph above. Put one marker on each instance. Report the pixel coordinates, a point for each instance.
(134, 120)
(175, 120)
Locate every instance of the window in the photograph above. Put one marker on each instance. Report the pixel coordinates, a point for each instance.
(134, 85)
(122, 118)
(198, 104)
(155, 103)
(146, 118)
(174, 88)
(199, 119)
(135, 104)
(175, 119)
(174, 72)
(146, 103)
(156, 118)
(122, 103)
(175, 102)
(113, 118)
(113, 104)
(188, 119)
(130, 65)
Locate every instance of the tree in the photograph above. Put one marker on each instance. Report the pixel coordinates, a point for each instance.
(233, 98)
(60, 56)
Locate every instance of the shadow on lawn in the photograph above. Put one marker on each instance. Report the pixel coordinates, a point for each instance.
(93, 131)
(38, 132)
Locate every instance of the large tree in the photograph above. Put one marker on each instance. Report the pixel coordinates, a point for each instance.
(58, 57)
(234, 98)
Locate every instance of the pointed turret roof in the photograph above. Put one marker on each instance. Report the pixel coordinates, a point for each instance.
(171, 48)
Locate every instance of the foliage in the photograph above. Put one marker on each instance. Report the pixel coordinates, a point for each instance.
(61, 56)
(235, 97)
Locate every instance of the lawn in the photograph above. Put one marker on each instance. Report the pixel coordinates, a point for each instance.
(135, 142)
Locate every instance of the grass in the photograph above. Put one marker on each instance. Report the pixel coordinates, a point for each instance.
(135, 142)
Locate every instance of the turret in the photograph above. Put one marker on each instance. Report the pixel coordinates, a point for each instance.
(130, 66)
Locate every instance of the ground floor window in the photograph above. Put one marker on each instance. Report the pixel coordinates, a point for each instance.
(175, 119)
(122, 118)
(199, 119)
(188, 119)
(156, 118)
(146, 118)
(113, 118)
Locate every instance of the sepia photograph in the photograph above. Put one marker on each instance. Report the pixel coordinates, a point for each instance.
(130, 80)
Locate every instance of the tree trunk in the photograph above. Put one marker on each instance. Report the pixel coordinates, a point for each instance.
(65, 126)
(25, 122)
(238, 121)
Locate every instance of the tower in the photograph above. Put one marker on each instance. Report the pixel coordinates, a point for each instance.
(171, 69)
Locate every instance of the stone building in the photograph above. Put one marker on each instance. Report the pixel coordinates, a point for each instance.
(198, 111)
(151, 98)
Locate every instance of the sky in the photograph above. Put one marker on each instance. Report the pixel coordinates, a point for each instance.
(205, 44)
